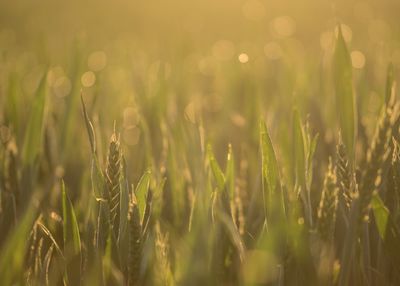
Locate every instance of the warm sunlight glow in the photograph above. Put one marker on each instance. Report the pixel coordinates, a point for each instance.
(243, 58)
(200, 142)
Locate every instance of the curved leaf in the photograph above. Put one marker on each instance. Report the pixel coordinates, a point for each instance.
(215, 168)
(141, 191)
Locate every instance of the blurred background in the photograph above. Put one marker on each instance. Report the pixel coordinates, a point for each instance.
(185, 27)
(169, 77)
(224, 62)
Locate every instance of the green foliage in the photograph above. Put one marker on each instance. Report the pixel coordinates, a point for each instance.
(304, 149)
(345, 97)
(141, 191)
(299, 152)
(34, 130)
(272, 192)
(230, 171)
(72, 239)
(156, 205)
(13, 251)
(216, 170)
(70, 225)
(381, 214)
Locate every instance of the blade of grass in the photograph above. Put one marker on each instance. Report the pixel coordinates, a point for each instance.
(345, 97)
(89, 126)
(270, 173)
(141, 191)
(230, 172)
(13, 102)
(97, 177)
(14, 251)
(389, 83)
(215, 168)
(34, 130)
(47, 232)
(300, 151)
(72, 240)
(381, 214)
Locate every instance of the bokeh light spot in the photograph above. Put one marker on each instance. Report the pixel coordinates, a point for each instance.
(284, 26)
(357, 59)
(346, 31)
(97, 61)
(243, 58)
(88, 79)
(62, 86)
(130, 117)
(54, 74)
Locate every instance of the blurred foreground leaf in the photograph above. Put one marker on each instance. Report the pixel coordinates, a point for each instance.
(13, 252)
(34, 130)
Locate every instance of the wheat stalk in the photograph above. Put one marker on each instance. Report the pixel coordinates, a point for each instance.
(11, 184)
(135, 244)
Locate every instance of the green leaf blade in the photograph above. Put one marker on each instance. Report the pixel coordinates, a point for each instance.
(345, 97)
(272, 192)
(72, 240)
(70, 225)
(215, 168)
(299, 151)
(381, 214)
(269, 162)
(141, 191)
(34, 130)
(230, 172)
(14, 251)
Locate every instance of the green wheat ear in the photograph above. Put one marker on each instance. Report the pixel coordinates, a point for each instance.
(376, 157)
(112, 178)
(328, 205)
(345, 177)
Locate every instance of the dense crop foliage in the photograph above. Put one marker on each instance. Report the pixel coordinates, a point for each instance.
(118, 177)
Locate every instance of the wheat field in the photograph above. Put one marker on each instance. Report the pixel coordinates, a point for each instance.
(199, 143)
